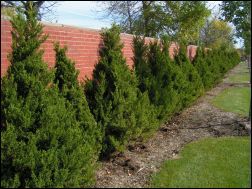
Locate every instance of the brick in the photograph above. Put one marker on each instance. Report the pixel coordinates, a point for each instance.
(83, 46)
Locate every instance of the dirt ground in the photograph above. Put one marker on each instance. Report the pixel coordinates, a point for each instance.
(133, 168)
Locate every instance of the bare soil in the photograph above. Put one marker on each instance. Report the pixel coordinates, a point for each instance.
(133, 168)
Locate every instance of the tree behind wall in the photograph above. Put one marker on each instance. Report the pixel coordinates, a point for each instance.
(178, 19)
(44, 9)
(239, 13)
(216, 33)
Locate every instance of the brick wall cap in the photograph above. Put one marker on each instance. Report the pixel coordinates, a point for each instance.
(3, 17)
(77, 27)
(192, 46)
(69, 26)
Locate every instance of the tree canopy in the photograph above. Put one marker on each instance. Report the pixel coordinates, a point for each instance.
(181, 20)
(44, 9)
(216, 33)
(239, 13)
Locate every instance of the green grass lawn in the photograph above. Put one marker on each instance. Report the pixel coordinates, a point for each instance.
(208, 163)
(241, 74)
(234, 99)
(242, 78)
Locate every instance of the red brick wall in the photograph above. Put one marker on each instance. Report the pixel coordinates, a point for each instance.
(191, 51)
(5, 44)
(83, 46)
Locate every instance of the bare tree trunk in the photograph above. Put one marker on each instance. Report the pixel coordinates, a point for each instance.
(130, 18)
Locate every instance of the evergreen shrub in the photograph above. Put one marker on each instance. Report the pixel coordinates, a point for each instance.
(213, 64)
(66, 77)
(154, 71)
(193, 87)
(114, 98)
(41, 141)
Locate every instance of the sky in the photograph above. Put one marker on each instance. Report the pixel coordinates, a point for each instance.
(88, 14)
(80, 13)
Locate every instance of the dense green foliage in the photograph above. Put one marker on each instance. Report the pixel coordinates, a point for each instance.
(42, 143)
(181, 20)
(153, 70)
(171, 85)
(50, 137)
(212, 64)
(114, 99)
(215, 33)
(174, 84)
(161, 90)
(141, 66)
(239, 13)
(66, 77)
(192, 86)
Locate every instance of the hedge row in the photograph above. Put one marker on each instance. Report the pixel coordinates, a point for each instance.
(174, 84)
(53, 129)
(212, 64)
(171, 85)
